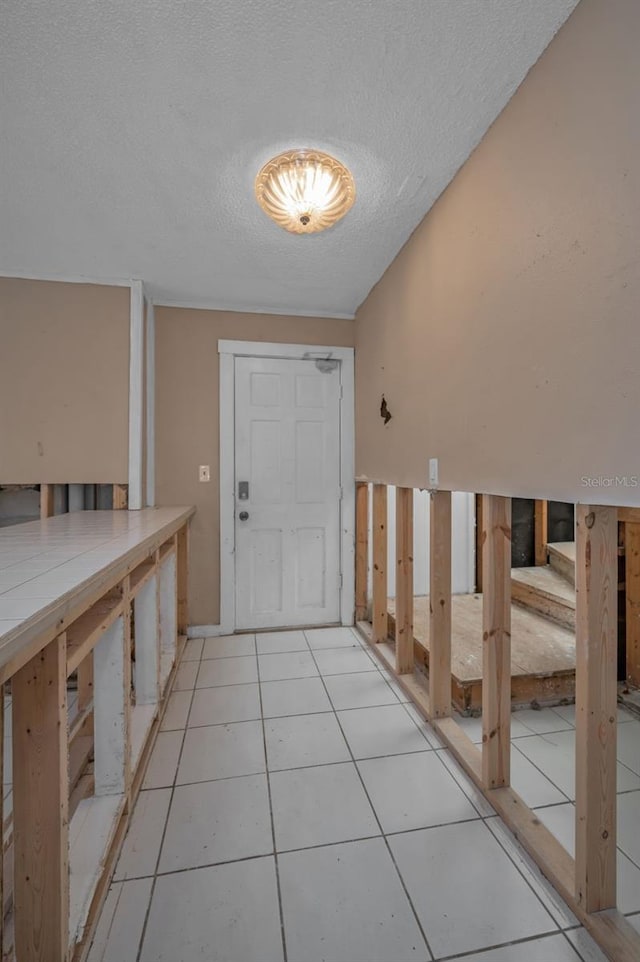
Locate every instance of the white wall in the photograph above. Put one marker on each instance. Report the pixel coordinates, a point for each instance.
(462, 548)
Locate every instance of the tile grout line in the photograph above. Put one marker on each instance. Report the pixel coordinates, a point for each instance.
(283, 936)
(545, 775)
(480, 818)
(484, 818)
(502, 945)
(379, 824)
(166, 822)
(300, 848)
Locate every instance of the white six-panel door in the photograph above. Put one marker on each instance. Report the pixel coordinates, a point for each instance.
(287, 492)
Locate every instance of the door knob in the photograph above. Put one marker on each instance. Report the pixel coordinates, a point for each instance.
(244, 515)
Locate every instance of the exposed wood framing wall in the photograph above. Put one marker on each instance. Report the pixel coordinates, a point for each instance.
(116, 725)
(78, 498)
(588, 882)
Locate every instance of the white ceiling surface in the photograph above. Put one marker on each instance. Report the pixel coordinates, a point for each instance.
(132, 130)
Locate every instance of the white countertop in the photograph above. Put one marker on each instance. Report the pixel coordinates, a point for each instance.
(43, 564)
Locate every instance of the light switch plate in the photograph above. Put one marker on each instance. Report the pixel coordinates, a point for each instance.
(204, 473)
(433, 472)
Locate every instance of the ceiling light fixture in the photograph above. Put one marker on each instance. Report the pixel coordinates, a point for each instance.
(305, 191)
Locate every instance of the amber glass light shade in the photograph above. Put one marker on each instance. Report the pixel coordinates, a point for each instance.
(305, 191)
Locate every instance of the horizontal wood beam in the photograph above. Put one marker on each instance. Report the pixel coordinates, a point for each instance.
(84, 634)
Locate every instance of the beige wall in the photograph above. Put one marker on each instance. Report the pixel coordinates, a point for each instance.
(506, 334)
(187, 420)
(64, 382)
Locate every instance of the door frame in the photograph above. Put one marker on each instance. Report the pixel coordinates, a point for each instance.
(228, 351)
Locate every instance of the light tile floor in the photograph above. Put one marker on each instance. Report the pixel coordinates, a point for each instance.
(297, 808)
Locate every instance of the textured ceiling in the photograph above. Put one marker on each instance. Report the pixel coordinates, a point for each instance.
(132, 131)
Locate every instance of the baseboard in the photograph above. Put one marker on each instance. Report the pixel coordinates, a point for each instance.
(207, 631)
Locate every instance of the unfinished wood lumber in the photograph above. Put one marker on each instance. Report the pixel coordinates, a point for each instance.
(362, 548)
(86, 631)
(2, 818)
(478, 540)
(168, 604)
(586, 882)
(379, 563)
(496, 641)
(120, 497)
(404, 580)
(632, 602)
(183, 580)
(47, 492)
(40, 807)
(541, 527)
(140, 575)
(596, 705)
(440, 604)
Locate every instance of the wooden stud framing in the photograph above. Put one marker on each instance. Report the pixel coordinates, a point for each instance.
(440, 604)
(1, 819)
(596, 720)
(183, 580)
(632, 601)
(596, 705)
(379, 563)
(47, 492)
(496, 638)
(362, 548)
(40, 807)
(50, 757)
(120, 497)
(85, 632)
(541, 525)
(168, 605)
(478, 501)
(404, 580)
